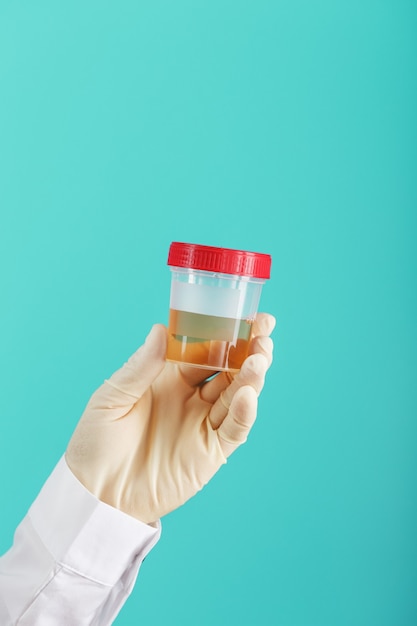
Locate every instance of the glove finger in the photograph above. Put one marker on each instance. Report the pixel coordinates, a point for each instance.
(211, 390)
(129, 383)
(252, 373)
(240, 418)
(262, 345)
(264, 324)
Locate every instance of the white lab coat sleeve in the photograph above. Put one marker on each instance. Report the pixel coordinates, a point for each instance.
(74, 559)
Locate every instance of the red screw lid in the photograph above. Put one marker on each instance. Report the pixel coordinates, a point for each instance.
(223, 260)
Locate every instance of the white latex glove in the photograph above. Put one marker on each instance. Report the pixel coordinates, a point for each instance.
(155, 433)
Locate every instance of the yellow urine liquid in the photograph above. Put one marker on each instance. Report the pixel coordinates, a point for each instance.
(208, 341)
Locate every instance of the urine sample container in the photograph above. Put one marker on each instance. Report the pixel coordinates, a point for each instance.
(214, 299)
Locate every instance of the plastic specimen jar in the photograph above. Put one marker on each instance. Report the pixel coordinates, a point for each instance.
(215, 294)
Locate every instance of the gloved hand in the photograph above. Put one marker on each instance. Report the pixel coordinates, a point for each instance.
(156, 432)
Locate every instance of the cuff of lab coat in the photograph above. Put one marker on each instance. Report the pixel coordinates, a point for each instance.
(86, 535)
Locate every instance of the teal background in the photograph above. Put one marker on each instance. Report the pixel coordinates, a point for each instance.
(281, 127)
